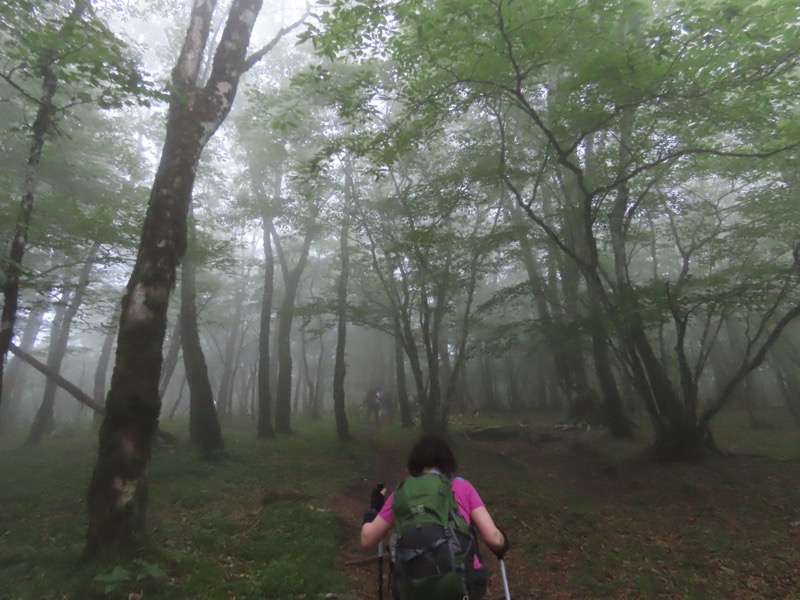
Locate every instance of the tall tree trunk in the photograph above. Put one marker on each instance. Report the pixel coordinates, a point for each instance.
(204, 429)
(613, 413)
(545, 291)
(264, 427)
(264, 422)
(340, 365)
(296, 389)
(312, 376)
(677, 435)
(44, 422)
(431, 312)
(117, 497)
(42, 124)
(103, 362)
(232, 343)
(399, 296)
(316, 398)
(310, 385)
(401, 389)
(174, 409)
(291, 279)
(789, 385)
(171, 359)
(476, 260)
(489, 394)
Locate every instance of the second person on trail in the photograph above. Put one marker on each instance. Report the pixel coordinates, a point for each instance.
(435, 515)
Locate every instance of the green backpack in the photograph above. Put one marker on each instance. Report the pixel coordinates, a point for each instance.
(433, 551)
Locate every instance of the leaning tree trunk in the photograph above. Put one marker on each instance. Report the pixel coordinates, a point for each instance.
(117, 497)
(17, 374)
(60, 381)
(264, 421)
(204, 429)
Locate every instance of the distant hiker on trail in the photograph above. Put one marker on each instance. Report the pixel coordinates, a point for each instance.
(373, 403)
(435, 515)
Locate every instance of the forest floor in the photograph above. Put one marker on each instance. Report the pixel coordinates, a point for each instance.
(593, 517)
(588, 516)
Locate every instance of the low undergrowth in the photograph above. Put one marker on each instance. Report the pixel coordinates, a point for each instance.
(588, 516)
(254, 522)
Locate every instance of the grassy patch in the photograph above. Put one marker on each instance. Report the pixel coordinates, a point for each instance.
(217, 530)
(592, 517)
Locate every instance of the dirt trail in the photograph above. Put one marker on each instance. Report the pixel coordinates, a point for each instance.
(359, 564)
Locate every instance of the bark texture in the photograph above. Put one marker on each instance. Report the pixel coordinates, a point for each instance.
(117, 496)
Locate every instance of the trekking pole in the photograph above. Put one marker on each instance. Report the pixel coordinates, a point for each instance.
(380, 571)
(505, 578)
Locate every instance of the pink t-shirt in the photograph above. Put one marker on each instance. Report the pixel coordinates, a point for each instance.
(467, 499)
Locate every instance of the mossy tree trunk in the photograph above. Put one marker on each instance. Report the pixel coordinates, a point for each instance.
(118, 491)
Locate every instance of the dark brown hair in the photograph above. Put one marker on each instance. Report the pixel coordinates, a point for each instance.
(431, 451)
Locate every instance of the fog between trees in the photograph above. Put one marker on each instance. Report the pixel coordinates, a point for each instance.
(587, 207)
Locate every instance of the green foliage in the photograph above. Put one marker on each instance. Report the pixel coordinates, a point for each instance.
(138, 571)
(90, 62)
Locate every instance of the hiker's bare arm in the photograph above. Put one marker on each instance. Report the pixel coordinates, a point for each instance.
(375, 531)
(483, 522)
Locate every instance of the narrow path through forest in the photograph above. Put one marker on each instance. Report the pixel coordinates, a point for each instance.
(361, 565)
(592, 517)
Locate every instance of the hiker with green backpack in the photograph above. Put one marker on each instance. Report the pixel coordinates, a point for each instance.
(435, 516)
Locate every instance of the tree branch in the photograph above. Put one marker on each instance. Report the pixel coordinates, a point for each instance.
(254, 58)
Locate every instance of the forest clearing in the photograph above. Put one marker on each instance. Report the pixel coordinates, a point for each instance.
(588, 516)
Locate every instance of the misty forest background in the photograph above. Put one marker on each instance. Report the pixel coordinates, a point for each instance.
(219, 222)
